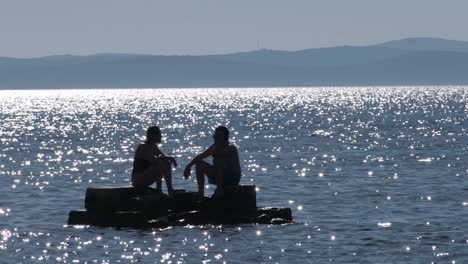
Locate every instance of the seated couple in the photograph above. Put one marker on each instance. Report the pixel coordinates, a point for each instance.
(150, 165)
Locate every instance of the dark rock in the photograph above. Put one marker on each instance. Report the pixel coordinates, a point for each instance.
(118, 198)
(263, 219)
(160, 222)
(195, 217)
(238, 198)
(147, 208)
(130, 219)
(279, 221)
(184, 201)
(81, 217)
(232, 216)
(273, 212)
(108, 219)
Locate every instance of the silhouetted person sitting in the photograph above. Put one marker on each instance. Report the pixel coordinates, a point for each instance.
(150, 165)
(226, 166)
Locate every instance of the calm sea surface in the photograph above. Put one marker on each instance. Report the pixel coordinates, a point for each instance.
(373, 175)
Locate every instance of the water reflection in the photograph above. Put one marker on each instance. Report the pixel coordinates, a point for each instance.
(365, 170)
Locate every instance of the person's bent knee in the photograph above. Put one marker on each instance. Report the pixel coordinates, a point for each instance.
(202, 163)
(200, 166)
(166, 163)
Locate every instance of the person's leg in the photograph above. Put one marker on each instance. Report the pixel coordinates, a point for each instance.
(231, 177)
(154, 174)
(167, 172)
(203, 168)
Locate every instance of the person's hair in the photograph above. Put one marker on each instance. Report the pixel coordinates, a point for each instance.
(151, 130)
(224, 130)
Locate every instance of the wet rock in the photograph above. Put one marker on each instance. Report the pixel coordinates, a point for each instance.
(232, 216)
(195, 217)
(279, 221)
(241, 197)
(273, 212)
(119, 198)
(108, 219)
(263, 219)
(147, 208)
(81, 217)
(130, 219)
(160, 222)
(184, 201)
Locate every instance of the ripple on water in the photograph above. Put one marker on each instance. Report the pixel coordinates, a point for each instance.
(364, 170)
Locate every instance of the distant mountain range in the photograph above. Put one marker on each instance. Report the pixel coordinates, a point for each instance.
(412, 61)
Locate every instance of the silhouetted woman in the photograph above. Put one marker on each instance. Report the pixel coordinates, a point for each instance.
(226, 168)
(150, 165)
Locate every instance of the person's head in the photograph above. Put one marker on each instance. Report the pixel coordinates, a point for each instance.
(153, 135)
(221, 134)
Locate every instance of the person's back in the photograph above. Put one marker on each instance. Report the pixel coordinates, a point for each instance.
(143, 161)
(226, 160)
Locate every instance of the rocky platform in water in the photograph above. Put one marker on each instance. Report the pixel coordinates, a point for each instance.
(147, 208)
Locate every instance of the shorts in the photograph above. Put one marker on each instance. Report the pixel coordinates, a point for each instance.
(229, 178)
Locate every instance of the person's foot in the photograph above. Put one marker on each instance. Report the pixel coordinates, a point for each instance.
(158, 190)
(219, 193)
(200, 195)
(171, 192)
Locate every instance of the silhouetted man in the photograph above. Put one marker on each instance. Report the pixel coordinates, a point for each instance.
(225, 170)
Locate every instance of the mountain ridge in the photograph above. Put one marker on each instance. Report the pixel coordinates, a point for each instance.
(422, 61)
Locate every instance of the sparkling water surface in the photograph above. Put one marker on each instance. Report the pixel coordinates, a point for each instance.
(372, 174)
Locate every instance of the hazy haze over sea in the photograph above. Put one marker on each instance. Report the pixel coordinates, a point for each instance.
(373, 174)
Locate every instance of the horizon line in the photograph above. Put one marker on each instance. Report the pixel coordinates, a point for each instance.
(220, 54)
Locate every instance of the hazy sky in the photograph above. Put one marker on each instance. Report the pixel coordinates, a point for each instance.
(49, 27)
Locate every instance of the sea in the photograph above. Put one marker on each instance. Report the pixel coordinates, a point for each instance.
(372, 174)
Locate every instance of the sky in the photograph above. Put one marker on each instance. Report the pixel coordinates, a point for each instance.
(36, 28)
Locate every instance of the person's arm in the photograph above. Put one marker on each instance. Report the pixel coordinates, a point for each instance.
(158, 152)
(160, 155)
(201, 156)
(235, 157)
(152, 154)
(205, 154)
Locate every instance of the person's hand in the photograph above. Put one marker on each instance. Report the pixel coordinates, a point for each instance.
(173, 161)
(187, 171)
